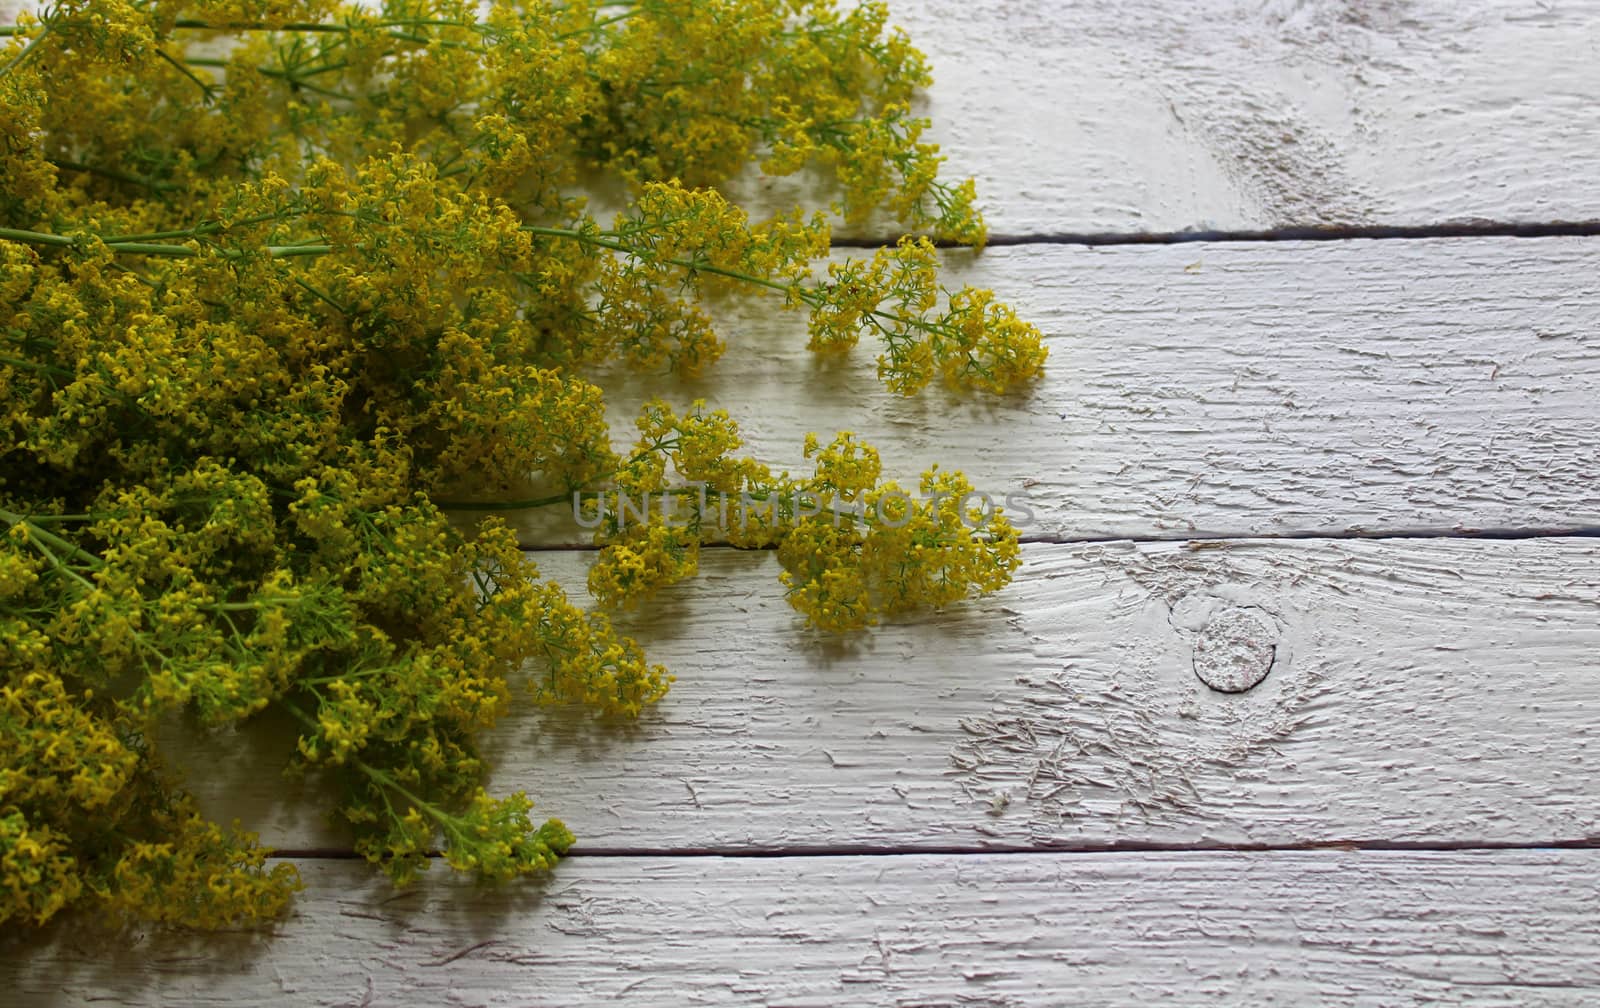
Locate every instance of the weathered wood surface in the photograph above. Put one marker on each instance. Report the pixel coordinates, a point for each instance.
(1155, 115)
(1227, 389)
(1420, 691)
(1510, 928)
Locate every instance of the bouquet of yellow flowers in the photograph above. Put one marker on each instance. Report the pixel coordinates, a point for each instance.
(284, 284)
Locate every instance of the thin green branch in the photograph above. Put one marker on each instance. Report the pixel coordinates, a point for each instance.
(124, 247)
(297, 77)
(596, 239)
(292, 26)
(209, 91)
(37, 238)
(42, 539)
(199, 230)
(27, 50)
(451, 824)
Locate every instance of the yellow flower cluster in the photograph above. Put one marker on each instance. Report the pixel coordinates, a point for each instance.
(846, 468)
(69, 773)
(975, 343)
(899, 554)
(200, 875)
(38, 875)
(284, 284)
(855, 549)
(641, 558)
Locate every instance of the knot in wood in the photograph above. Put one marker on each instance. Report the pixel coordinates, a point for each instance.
(1236, 648)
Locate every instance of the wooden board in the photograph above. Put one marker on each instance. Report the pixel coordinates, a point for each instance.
(1514, 929)
(1158, 115)
(1420, 691)
(1226, 389)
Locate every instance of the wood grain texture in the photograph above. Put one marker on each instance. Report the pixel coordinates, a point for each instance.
(1428, 692)
(1509, 928)
(1226, 389)
(1164, 115)
(1425, 691)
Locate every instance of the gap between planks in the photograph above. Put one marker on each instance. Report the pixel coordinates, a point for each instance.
(1066, 850)
(1196, 542)
(1485, 229)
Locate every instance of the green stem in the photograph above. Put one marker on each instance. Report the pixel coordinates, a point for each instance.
(297, 77)
(27, 50)
(39, 537)
(205, 89)
(292, 26)
(598, 240)
(324, 298)
(811, 297)
(37, 238)
(51, 519)
(295, 74)
(450, 823)
(122, 247)
(199, 230)
(344, 29)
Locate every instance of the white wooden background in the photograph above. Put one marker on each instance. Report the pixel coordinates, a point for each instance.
(1379, 454)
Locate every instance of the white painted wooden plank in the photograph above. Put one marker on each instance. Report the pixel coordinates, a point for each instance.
(1165, 115)
(1507, 928)
(1227, 389)
(1424, 691)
